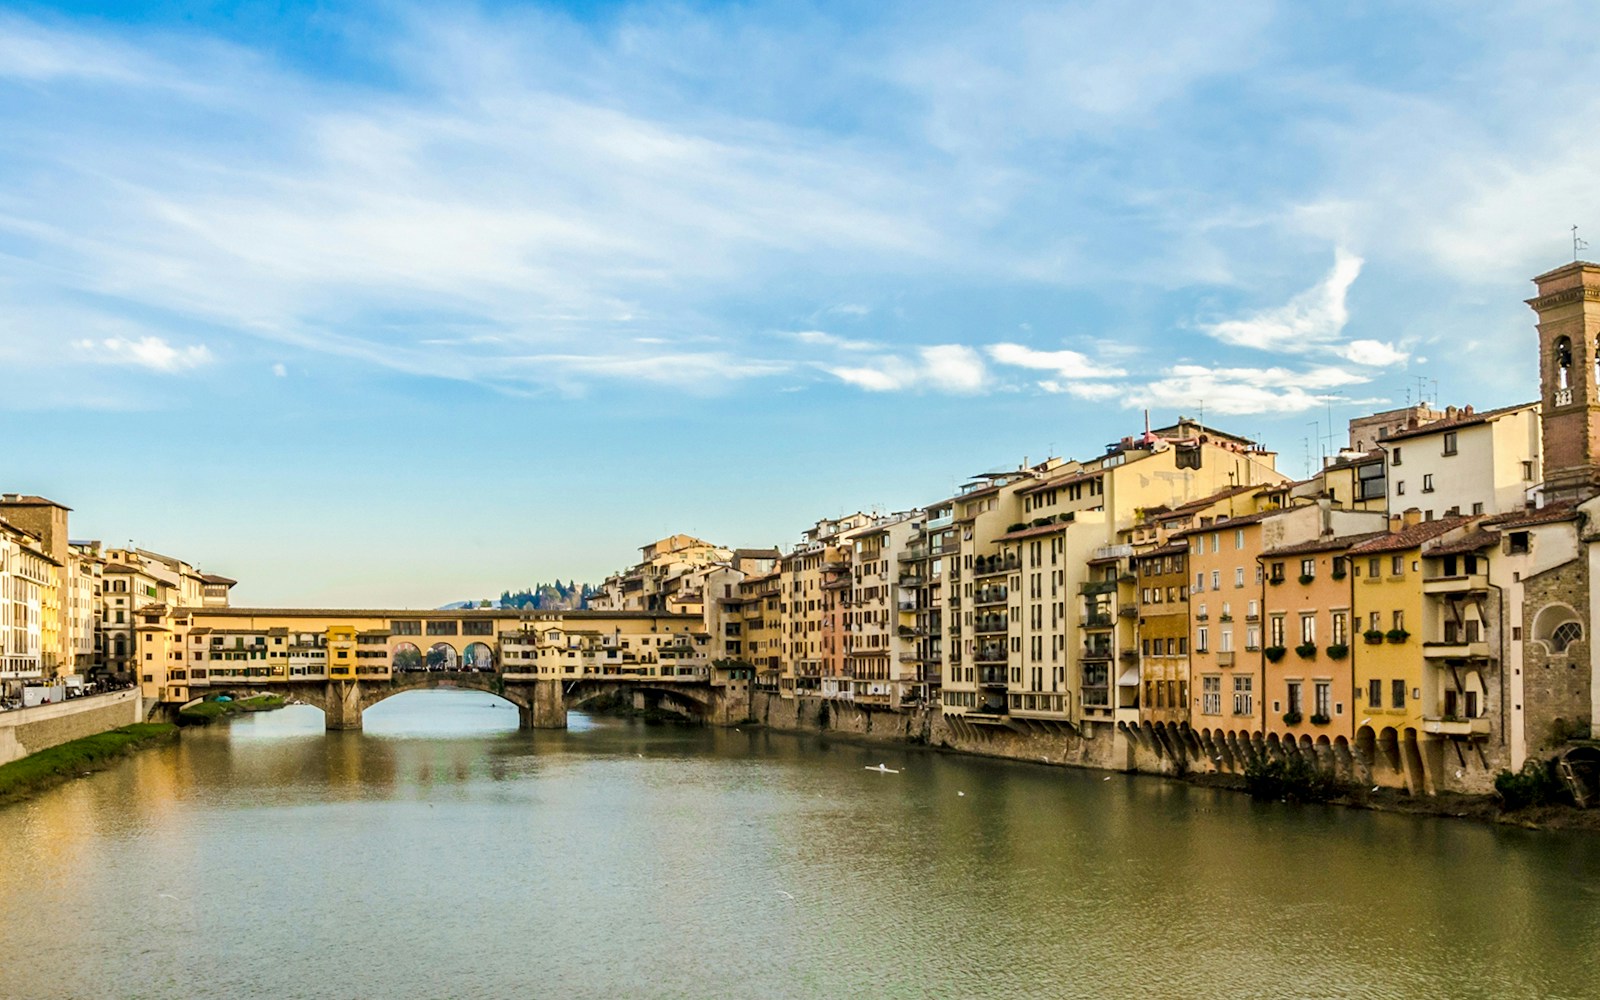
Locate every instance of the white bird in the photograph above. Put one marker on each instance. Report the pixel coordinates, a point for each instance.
(962, 794)
(1374, 787)
(1106, 778)
(167, 895)
(882, 769)
(785, 895)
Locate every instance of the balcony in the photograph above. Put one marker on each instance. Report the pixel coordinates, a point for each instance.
(1097, 620)
(1094, 587)
(1447, 726)
(912, 580)
(1465, 583)
(995, 565)
(993, 595)
(990, 626)
(991, 654)
(905, 606)
(913, 555)
(992, 677)
(1097, 651)
(946, 548)
(1458, 650)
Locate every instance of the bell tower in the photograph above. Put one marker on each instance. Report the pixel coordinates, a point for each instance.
(1568, 305)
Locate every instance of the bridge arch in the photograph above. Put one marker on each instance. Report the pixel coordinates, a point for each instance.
(477, 656)
(442, 656)
(406, 657)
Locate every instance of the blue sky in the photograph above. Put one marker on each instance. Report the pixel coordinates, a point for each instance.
(409, 303)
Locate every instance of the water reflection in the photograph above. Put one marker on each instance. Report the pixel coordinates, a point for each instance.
(442, 852)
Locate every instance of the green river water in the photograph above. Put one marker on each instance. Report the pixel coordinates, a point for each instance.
(443, 853)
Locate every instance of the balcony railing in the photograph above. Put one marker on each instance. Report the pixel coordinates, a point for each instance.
(990, 595)
(1097, 620)
(1094, 587)
(992, 676)
(994, 565)
(989, 626)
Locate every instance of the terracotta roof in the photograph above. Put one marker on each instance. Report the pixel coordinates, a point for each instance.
(1332, 543)
(1169, 549)
(213, 578)
(1472, 541)
(121, 568)
(1548, 514)
(1461, 420)
(1409, 538)
(1233, 522)
(1375, 454)
(511, 614)
(1067, 480)
(29, 500)
(1190, 506)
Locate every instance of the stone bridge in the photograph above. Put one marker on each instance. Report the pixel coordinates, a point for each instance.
(542, 703)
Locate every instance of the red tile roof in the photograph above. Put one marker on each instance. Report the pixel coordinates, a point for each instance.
(1409, 538)
(1461, 420)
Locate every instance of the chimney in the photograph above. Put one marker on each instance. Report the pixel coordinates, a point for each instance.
(1411, 517)
(1394, 524)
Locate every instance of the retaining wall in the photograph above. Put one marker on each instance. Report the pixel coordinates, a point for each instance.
(29, 730)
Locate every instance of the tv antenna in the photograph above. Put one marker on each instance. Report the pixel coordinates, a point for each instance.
(1577, 244)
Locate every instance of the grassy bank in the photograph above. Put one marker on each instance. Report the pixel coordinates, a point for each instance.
(61, 764)
(206, 712)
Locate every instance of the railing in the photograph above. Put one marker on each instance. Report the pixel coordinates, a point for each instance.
(1097, 620)
(992, 676)
(994, 564)
(1097, 652)
(990, 595)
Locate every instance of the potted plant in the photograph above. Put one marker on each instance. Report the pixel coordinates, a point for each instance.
(1320, 720)
(1291, 718)
(1373, 635)
(1338, 651)
(1306, 650)
(1398, 635)
(1274, 653)
(1306, 579)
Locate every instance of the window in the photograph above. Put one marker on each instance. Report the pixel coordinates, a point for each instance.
(1477, 508)
(1210, 694)
(1427, 483)
(1527, 472)
(1243, 702)
(1277, 630)
(1216, 579)
(1238, 576)
(1397, 693)
(1199, 583)
(1323, 692)
(1251, 610)
(1226, 638)
(1238, 538)
(1308, 567)
(1519, 542)
(1375, 693)
(1202, 639)
(1340, 634)
(1399, 487)
(1397, 565)
(1395, 457)
(1308, 629)
(1400, 620)
(1449, 442)
(1295, 703)
(1565, 635)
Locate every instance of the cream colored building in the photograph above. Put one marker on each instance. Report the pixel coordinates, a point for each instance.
(24, 573)
(1468, 463)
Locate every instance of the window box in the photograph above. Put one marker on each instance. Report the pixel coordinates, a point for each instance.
(1291, 718)
(1338, 651)
(1307, 578)
(1320, 720)
(1397, 635)
(1373, 635)
(1274, 653)
(1275, 580)
(1306, 650)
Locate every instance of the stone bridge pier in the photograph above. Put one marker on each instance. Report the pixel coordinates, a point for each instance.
(540, 703)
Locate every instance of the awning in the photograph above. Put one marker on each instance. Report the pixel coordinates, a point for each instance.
(1129, 678)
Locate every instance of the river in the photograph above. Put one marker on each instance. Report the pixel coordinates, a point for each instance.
(443, 853)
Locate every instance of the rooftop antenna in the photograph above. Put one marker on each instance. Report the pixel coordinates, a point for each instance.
(1577, 244)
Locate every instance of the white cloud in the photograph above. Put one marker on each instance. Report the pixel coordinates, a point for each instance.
(153, 353)
(1237, 391)
(1315, 317)
(1066, 364)
(819, 338)
(953, 368)
(1375, 353)
(280, 370)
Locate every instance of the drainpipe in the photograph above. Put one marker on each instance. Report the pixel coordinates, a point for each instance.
(1505, 681)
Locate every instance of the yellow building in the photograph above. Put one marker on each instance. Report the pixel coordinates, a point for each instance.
(1389, 664)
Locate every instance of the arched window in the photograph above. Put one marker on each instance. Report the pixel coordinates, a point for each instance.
(1563, 362)
(1565, 635)
(1558, 626)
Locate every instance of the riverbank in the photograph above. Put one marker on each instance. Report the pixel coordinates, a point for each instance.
(64, 762)
(923, 730)
(206, 712)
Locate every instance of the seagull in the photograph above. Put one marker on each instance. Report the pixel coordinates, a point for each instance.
(1374, 787)
(961, 794)
(1106, 778)
(882, 769)
(785, 895)
(168, 895)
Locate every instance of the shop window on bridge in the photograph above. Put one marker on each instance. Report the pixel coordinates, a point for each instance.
(443, 628)
(485, 627)
(405, 627)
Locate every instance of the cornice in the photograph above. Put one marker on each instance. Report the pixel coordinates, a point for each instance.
(1588, 293)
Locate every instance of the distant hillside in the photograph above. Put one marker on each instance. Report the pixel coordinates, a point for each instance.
(557, 596)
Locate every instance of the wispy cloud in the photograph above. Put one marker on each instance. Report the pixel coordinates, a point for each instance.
(148, 352)
(943, 368)
(1065, 364)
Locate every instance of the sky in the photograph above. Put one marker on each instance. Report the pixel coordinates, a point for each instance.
(401, 304)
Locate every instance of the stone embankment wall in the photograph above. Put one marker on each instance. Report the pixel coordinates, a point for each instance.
(1173, 750)
(29, 730)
